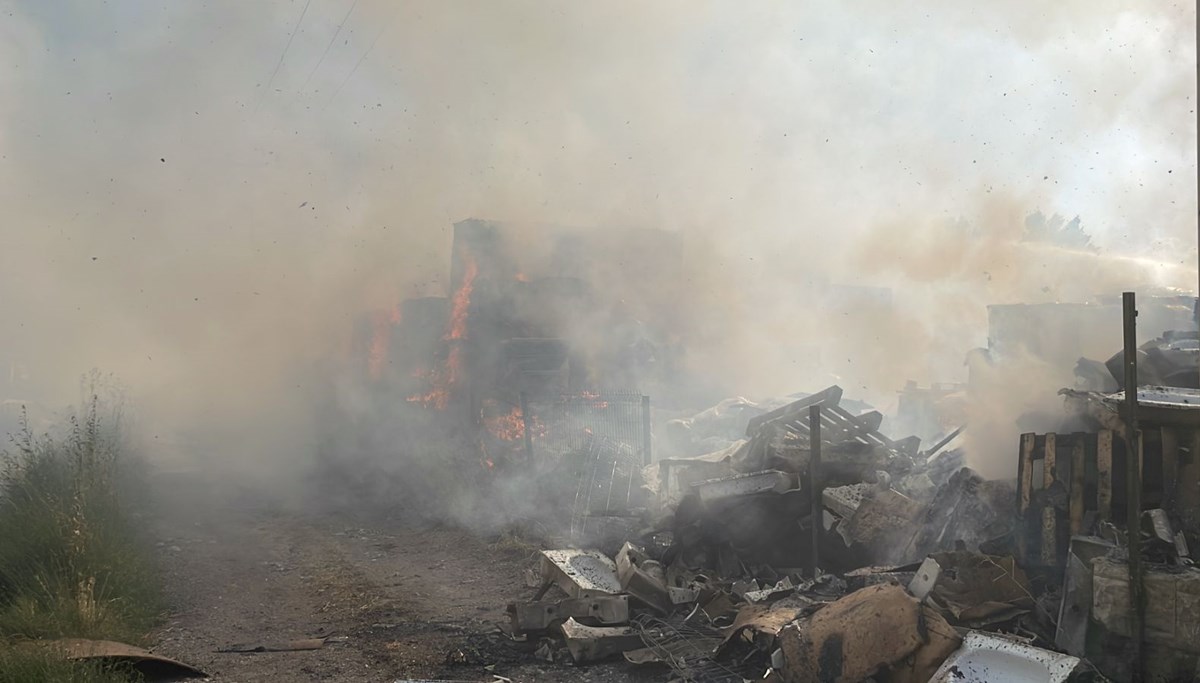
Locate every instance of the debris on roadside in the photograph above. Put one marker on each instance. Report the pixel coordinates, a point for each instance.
(150, 666)
(860, 557)
(302, 645)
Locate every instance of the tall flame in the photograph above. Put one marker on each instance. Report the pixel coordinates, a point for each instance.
(443, 380)
(460, 305)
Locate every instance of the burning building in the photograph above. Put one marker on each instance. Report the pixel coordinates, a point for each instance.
(524, 321)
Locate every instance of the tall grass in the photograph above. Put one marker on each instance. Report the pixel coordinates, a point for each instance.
(71, 562)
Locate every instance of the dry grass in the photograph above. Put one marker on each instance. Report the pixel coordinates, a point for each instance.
(71, 563)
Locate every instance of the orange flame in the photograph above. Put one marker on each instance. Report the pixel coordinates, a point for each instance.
(461, 303)
(511, 426)
(443, 380)
(382, 323)
(594, 398)
(522, 277)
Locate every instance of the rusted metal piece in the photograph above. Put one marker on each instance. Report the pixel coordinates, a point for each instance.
(81, 649)
(289, 646)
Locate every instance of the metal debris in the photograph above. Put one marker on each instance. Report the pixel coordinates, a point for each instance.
(688, 648)
(926, 577)
(154, 667)
(603, 610)
(594, 643)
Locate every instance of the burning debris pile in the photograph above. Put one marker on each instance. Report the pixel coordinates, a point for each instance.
(814, 548)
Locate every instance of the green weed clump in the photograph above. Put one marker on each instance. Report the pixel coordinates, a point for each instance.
(72, 565)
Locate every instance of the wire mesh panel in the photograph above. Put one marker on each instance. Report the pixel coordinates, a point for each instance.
(609, 474)
(689, 649)
(600, 442)
(572, 422)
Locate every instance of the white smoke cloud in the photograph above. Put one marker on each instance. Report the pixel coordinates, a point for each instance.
(173, 220)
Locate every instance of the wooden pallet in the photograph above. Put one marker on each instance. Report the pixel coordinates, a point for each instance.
(1091, 468)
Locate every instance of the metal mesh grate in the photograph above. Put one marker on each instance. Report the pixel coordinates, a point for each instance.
(570, 422)
(600, 439)
(688, 649)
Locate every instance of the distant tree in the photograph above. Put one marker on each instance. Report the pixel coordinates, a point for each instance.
(1058, 231)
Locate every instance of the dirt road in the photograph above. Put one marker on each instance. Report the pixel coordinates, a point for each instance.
(396, 600)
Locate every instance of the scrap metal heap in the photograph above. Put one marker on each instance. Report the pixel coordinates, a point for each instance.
(718, 584)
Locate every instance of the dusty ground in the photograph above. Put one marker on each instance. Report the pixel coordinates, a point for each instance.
(398, 600)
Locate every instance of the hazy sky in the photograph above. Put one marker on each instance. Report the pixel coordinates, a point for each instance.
(170, 217)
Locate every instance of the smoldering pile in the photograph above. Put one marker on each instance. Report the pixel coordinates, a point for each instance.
(722, 576)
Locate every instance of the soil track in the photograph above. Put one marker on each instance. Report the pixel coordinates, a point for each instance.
(396, 600)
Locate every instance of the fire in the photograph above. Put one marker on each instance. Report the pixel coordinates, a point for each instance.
(461, 303)
(522, 277)
(382, 323)
(510, 426)
(594, 398)
(507, 427)
(444, 379)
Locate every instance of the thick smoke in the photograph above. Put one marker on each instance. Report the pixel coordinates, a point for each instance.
(205, 206)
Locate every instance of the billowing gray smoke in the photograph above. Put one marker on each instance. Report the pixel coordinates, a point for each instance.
(203, 203)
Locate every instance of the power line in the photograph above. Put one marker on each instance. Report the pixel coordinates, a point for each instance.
(356, 65)
(329, 47)
(271, 81)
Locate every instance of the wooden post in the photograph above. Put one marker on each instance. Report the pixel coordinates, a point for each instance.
(1025, 472)
(1133, 484)
(1104, 452)
(1049, 552)
(815, 492)
(1077, 482)
(1050, 461)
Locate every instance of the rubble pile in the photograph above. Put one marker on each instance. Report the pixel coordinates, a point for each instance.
(749, 505)
(918, 569)
(898, 625)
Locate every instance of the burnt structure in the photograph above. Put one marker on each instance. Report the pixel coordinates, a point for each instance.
(525, 320)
